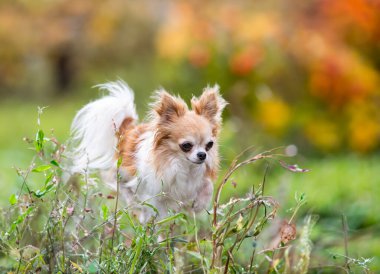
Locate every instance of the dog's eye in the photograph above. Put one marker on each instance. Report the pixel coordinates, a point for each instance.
(186, 147)
(209, 145)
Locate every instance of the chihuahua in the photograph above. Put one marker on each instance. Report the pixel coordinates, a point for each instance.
(169, 161)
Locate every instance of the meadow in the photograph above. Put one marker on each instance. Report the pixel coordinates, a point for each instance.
(339, 193)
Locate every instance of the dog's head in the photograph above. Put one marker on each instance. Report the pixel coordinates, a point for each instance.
(188, 134)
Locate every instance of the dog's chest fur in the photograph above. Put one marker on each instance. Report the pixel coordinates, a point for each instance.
(184, 181)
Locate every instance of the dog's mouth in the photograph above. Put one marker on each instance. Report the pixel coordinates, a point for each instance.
(199, 162)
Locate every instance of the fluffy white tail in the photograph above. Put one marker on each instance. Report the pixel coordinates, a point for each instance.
(94, 141)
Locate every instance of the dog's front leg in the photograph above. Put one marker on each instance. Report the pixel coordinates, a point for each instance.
(204, 195)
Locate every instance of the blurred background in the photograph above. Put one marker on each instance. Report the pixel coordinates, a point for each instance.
(302, 75)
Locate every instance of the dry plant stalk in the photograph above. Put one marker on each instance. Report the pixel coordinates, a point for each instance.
(249, 226)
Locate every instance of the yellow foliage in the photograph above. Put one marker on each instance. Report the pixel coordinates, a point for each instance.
(258, 27)
(323, 134)
(173, 39)
(102, 26)
(364, 134)
(172, 43)
(274, 114)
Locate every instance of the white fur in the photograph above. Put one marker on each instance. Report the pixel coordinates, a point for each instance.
(94, 128)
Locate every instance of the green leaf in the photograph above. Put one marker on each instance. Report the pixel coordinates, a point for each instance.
(41, 168)
(39, 193)
(151, 206)
(39, 142)
(170, 218)
(42, 192)
(49, 178)
(137, 254)
(13, 199)
(20, 219)
(104, 212)
(119, 161)
(54, 162)
(130, 219)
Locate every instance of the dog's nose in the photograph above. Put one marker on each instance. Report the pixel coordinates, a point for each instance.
(201, 155)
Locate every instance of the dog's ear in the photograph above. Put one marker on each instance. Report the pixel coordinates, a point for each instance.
(167, 107)
(210, 105)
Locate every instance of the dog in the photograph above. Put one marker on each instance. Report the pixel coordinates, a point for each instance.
(169, 161)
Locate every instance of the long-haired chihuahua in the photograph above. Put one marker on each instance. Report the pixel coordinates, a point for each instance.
(169, 161)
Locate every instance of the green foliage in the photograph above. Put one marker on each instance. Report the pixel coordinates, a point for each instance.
(13, 199)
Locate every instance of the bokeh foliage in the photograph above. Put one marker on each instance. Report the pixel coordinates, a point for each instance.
(305, 72)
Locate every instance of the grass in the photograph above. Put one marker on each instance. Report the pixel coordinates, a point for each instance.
(61, 227)
(52, 232)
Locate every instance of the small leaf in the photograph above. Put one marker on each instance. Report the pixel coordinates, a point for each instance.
(21, 218)
(39, 193)
(119, 161)
(170, 218)
(151, 206)
(40, 136)
(42, 192)
(138, 250)
(13, 199)
(49, 178)
(49, 187)
(105, 212)
(54, 162)
(130, 219)
(41, 168)
(39, 142)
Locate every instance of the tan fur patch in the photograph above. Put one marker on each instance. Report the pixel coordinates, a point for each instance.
(212, 172)
(130, 137)
(207, 105)
(169, 108)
